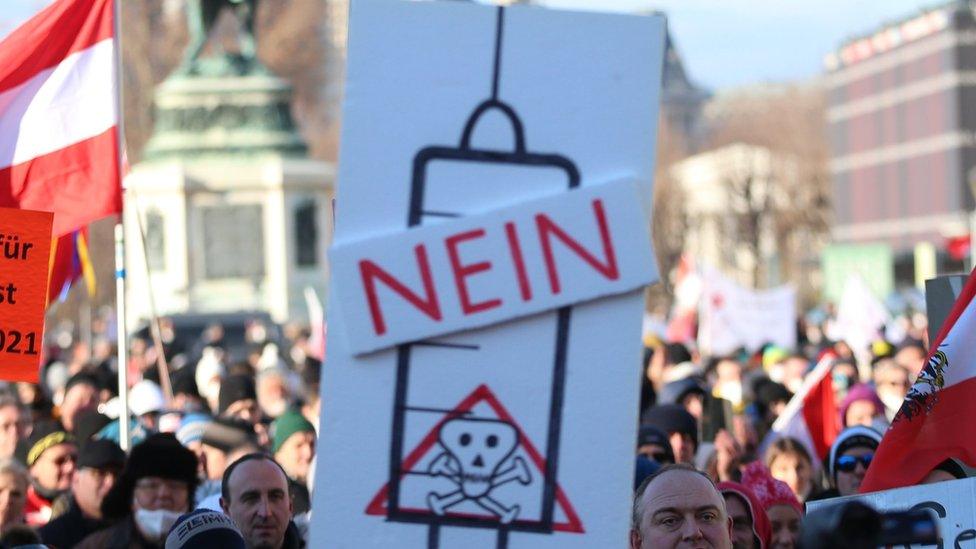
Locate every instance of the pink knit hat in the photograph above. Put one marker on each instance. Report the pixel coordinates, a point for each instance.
(768, 490)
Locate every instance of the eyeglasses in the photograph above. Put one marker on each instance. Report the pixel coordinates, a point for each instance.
(848, 463)
(662, 458)
(154, 484)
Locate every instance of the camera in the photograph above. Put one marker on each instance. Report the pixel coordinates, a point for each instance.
(856, 525)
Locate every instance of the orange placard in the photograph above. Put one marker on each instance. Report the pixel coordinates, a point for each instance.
(25, 257)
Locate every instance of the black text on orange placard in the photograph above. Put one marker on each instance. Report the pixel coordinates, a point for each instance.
(25, 254)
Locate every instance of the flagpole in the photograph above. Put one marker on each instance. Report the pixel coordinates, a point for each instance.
(121, 330)
(162, 365)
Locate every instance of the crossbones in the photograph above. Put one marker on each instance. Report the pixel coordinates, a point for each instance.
(474, 451)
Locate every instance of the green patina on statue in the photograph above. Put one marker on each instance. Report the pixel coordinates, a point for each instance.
(201, 17)
(220, 102)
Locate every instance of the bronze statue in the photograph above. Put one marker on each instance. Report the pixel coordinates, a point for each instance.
(202, 16)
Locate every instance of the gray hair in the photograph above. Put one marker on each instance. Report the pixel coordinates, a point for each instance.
(638, 508)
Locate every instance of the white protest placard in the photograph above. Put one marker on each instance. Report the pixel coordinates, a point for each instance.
(954, 503)
(480, 269)
(519, 433)
(733, 316)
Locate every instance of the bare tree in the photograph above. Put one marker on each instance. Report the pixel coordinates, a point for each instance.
(790, 122)
(669, 223)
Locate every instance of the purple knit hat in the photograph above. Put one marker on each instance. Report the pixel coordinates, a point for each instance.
(861, 391)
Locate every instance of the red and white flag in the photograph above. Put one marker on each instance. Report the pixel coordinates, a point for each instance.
(936, 420)
(58, 115)
(811, 415)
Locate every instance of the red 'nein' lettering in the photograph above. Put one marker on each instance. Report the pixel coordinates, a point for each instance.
(547, 227)
(519, 260)
(463, 271)
(370, 272)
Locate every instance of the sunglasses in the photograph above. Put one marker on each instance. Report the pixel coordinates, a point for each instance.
(662, 458)
(847, 464)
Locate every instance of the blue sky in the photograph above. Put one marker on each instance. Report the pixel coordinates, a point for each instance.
(723, 43)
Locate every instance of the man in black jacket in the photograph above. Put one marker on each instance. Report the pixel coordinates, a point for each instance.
(99, 464)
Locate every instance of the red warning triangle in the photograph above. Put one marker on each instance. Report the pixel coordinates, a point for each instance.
(571, 523)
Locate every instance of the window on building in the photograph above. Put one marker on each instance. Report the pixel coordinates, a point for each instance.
(306, 234)
(155, 241)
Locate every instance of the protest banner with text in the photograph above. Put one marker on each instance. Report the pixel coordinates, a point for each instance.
(25, 247)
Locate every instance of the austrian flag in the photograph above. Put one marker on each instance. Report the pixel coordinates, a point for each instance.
(58, 115)
(936, 420)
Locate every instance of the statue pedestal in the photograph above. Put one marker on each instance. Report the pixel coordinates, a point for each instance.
(197, 116)
(236, 217)
(226, 235)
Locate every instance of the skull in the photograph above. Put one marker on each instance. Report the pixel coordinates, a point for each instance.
(479, 447)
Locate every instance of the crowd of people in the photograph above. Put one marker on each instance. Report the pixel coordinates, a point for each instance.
(712, 467)
(233, 444)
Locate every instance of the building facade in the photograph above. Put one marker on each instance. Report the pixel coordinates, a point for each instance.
(902, 129)
(734, 194)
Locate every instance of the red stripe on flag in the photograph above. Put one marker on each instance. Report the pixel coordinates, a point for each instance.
(80, 183)
(820, 415)
(66, 27)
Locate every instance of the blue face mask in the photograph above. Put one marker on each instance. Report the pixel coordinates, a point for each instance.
(841, 381)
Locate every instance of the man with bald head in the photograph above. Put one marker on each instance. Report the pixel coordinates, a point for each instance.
(254, 494)
(679, 507)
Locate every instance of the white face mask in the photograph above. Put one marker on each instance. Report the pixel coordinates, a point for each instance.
(275, 408)
(155, 524)
(731, 391)
(892, 401)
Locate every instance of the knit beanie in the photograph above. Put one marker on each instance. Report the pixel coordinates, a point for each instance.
(769, 491)
(851, 437)
(83, 377)
(651, 435)
(861, 391)
(675, 391)
(191, 428)
(45, 435)
(203, 529)
(761, 527)
(235, 388)
(672, 418)
(288, 424)
(160, 455)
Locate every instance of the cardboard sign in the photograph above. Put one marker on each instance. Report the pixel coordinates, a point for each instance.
(518, 432)
(25, 255)
(953, 502)
(481, 269)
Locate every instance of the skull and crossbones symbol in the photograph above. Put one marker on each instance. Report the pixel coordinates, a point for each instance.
(474, 452)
